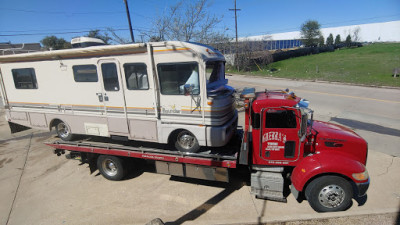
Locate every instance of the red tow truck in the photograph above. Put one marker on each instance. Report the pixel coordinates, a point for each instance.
(279, 146)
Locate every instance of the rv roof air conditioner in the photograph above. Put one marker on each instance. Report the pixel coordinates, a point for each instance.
(83, 42)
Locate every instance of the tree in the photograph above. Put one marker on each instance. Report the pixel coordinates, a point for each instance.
(97, 34)
(356, 34)
(55, 43)
(337, 39)
(310, 32)
(186, 21)
(329, 40)
(348, 40)
(116, 38)
(321, 41)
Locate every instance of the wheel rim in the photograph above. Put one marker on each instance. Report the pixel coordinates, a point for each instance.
(186, 140)
(109, 167)
(331, 196)
(63, 130)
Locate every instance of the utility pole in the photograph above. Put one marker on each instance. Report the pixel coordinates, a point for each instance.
(129, 20)
(237, 43)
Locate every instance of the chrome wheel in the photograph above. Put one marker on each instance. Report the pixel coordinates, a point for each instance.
(63, 130)
(186, 140)
(109, 167)
(331, 196)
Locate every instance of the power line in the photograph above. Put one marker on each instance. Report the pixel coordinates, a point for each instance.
(71, 13)
(60, 12)
(69, 32)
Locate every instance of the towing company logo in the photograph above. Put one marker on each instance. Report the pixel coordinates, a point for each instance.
(274, 136)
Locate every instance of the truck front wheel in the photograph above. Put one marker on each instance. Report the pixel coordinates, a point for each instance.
(329, 194)
(111, 167)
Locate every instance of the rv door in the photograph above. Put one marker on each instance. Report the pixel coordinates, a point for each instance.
(180, 98)
(113, 97)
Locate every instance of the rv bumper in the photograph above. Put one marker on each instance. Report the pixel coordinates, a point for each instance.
(218, 136)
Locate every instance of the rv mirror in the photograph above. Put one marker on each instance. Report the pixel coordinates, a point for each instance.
(187, 89)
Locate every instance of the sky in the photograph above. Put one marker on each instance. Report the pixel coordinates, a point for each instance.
(29, 21)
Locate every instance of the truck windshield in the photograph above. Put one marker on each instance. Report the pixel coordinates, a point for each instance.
(215, 75)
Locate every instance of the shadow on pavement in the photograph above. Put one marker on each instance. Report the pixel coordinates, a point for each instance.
(367, 126)
(398, 217)
(234, 185)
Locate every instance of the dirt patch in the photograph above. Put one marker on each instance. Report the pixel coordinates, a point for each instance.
(53, 168)
(5, 161)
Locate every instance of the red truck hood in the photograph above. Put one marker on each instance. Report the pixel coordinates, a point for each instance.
(333, 137)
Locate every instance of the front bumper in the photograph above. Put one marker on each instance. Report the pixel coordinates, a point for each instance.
(218, 136)
(362, 188)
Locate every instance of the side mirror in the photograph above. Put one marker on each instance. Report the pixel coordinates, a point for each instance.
(187, 89)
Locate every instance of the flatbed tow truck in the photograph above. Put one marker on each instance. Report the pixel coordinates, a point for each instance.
(279, 146)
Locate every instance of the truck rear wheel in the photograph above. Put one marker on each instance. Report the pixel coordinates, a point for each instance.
(186, 142)
(64, 132)
(329, 194)
(111, 167)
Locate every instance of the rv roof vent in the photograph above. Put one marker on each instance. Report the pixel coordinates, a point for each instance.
(82, 42)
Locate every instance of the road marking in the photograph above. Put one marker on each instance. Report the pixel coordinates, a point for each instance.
(338, 95)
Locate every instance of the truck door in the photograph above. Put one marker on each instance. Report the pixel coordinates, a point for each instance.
(280, 136)
(112, 96)
(180, 104)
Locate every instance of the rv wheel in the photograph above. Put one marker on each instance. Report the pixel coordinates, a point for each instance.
(64, 132)
(111, 167)
(186, 142)
(329, 194)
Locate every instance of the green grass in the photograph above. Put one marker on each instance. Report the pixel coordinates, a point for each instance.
(369, 65)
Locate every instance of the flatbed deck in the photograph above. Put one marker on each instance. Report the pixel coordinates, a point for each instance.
(217, 157)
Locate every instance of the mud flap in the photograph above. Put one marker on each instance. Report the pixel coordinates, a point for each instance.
(15, 128)
(91, 159)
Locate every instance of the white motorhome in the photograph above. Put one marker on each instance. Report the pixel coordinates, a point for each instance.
(165, 92)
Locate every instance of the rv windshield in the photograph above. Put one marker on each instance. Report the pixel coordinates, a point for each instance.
(215, 74)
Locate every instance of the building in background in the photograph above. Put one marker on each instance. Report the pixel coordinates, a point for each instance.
(10, 49)
(372, 32)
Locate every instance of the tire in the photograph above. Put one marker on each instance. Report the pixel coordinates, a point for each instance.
(111, 167)
(186, 142)
(64, 132)
(329, 194)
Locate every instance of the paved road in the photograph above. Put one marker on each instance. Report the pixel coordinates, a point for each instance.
(374, 113)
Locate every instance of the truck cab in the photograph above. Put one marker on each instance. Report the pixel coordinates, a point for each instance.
(321, 159)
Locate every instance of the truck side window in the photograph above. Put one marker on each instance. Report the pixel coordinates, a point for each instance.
(85, 73)
(110, 76)
(24, 78)
(255, 120)
(280, 119)
(136, 76)
(173, 77)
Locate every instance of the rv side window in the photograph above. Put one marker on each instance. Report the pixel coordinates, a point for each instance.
(85, 73)
(173, 78)
(110, 76)
(24, 78)
(136, 76)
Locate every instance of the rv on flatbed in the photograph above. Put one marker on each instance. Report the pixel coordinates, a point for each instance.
(166, 92)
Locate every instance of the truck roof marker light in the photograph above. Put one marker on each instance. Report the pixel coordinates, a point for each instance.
(361, 176)
(210, 102)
